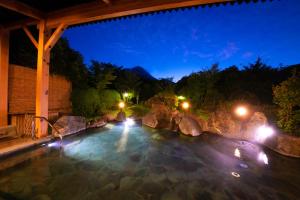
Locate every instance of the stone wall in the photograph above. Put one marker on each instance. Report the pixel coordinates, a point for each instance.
(22, 86)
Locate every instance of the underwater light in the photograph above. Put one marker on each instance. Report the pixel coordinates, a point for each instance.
(243, 165)
(235, 174)
(237, 153)
(263, 132)
(129, 122)
(52, 144)
(263, 158)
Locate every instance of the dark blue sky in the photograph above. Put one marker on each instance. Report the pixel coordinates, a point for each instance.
(178, 43)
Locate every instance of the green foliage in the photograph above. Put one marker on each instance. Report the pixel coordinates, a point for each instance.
(139, 110)
(200, 88)
(168, 99)
(91, 102)
(128, 81)
(73, 67)
(287, 97)
(202, 114)
(86, 102)
(108, 100)
(101, 75)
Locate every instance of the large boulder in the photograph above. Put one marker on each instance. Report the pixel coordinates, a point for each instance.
(69, 124)
(285, 144)
(189, 126)
(249, 127)
(121, 116)
(150, 120)
(97, 123)
(223, 122)
(160, 116)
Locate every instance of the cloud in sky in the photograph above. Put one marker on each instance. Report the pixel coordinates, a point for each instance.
(227, 52)
(247, 54)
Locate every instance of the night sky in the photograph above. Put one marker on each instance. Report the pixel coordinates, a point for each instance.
(178, 43)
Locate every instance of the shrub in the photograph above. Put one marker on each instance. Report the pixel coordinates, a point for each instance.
(287, 97)
(108, 100)
(139, 110)
(167, 99)
(86, 102)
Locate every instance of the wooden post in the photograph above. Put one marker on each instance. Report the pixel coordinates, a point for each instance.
(4, 63)
(42, 82)
(45, 44)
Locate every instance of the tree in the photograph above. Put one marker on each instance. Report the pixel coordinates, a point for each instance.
(108, 100)
(128, 81)
(201, 88)
(101, 75)
(287, 97)
(72, 68)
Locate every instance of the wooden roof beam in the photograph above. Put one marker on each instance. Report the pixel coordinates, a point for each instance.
(30, 36)
(94, 11)
(21, 8)
(55, 37)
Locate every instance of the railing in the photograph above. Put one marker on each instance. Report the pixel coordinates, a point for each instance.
(58, 134)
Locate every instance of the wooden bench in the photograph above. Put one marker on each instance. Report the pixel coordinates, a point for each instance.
(8, 131)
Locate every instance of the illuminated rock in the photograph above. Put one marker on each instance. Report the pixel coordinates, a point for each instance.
(97, 123)
(249, 129)
(189, 126)
(70, 124)
(121, 116)
(160, 116)
(150, 120)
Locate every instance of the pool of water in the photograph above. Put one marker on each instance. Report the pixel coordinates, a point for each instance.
(134, 162)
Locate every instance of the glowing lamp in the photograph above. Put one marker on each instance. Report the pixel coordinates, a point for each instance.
(241, 111)
(263, 132)
(126, 94)
(181, 97)
(121, 105)
(185, 105)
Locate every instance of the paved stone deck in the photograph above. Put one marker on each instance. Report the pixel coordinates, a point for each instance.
(9, 146)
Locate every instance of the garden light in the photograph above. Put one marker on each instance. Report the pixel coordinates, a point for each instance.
(263, 158)
(181, 97)
(185, 105)
(263, 132)
(241, 111)
(126, 94)
(121, 105)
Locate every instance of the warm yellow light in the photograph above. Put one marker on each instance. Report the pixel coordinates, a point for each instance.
(241, 111)
(185, 105)
(181, 97)
(126, 94)
(121, 105)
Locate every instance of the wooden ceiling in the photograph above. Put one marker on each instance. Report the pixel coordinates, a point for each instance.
(19, 13)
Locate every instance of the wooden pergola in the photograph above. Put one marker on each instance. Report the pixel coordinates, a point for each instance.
(52, 17)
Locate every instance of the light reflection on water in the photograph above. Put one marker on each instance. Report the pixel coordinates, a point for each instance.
(131, 162)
